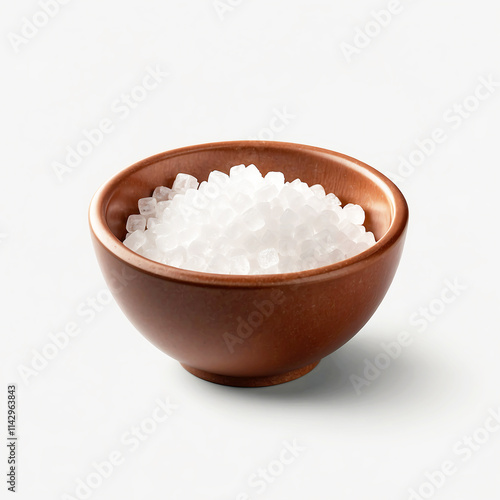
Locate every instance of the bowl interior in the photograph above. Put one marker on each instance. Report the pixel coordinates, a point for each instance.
(350, 180)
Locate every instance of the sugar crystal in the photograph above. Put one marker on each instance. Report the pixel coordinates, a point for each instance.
(244, 223)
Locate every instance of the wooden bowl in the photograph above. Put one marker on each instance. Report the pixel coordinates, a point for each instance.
(250, 330)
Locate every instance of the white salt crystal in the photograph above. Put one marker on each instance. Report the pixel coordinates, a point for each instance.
(183, 182)
(152, 222)
(307, 247)
(367, 238)
(222, 245)
(303, 189)
(187, 235)
(331, 200)
(286, 264)
(223, 214)
(162, 193)
(266, 192)
(136, 223)
(276, 210)
(167, 242)
(290, 196)
(325, 220)
(175, 257)
(336, 256)
(234, 230)
(329, 239)
(288, 219)
(360, 247)
(219, 178)
(347, 247)
(219, 264)
(269, 239)
(176, 203)
(237, 172)
(161, 208)
(147, 206)
(277, 179)
(135, 241)
(250, 243)
(150, 243)
(162, 228)
(239, 264)
(322, 257)
(307, 214)
(236, 252)
(195, 263)
(210, 232)
(268, 258)
(198, 247)
(286, 246)
(189, 196)
(354, 213)
(252, 174)
(210, 192)
(308, 262)
(241, 202)
(253, 218)
(264, 208)
(318, 190)
(315, 203)
(351, 230)
(303, 232)
(152, 254)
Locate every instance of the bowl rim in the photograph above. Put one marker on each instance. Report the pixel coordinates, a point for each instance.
(102, 233)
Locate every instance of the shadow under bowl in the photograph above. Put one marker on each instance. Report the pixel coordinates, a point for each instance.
(256, 330)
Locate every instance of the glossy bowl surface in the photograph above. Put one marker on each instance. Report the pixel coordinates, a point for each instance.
(250, 330)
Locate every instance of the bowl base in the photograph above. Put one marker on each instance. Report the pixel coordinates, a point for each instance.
(250, 381)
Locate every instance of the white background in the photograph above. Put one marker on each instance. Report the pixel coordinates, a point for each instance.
(229, 71)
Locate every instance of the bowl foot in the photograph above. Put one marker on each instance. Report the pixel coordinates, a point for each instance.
(250, 381)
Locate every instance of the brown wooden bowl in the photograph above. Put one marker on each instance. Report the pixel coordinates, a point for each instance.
(250, 330)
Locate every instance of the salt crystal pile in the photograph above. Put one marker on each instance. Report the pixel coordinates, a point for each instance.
(244, 223)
